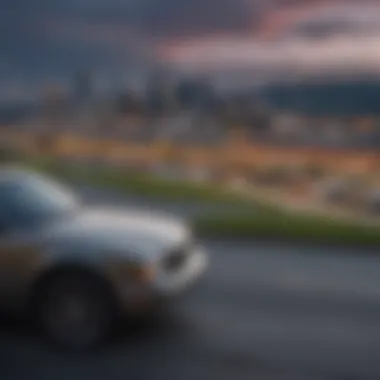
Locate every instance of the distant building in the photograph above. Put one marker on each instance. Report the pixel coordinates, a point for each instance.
(195, 93)
(83, 88)
(155, 95)
(286, 125)
(84, 105)
(54, 107)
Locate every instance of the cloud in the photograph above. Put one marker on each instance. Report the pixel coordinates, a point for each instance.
(321, 19)
(197, 17)
(52, 38)
(166, 17)
(311, 39)
(360, 53)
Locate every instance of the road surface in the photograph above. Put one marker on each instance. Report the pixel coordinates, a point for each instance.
(264, 311)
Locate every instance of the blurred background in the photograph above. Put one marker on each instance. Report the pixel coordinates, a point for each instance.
(282, 95)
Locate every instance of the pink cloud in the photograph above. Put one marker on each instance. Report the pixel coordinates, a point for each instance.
(359, 50)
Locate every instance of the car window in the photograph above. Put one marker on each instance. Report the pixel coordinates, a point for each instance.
(32, 199)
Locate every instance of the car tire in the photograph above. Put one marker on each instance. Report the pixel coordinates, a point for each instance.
(74, 310)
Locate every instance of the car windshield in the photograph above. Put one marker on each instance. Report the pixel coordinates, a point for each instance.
(35, 197)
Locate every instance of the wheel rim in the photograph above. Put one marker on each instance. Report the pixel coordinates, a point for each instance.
(75, 318)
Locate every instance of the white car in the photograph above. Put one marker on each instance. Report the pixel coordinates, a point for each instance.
(77, 269)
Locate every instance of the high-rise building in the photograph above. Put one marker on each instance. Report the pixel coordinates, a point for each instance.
(155, 94)
(54, 102)
(195, 93)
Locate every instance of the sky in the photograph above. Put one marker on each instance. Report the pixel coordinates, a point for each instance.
(321, 37)
(50, 40)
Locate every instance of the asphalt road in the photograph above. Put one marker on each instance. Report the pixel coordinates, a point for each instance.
(264, 311)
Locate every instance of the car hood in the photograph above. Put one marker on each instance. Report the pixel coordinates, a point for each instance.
(131, 233)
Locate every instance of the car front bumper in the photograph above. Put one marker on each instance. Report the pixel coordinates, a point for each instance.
(166, 286)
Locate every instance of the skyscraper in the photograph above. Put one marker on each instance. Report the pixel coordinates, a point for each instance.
(84, 107)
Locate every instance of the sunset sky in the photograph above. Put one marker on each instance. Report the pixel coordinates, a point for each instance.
(317, 37)
(50, 39)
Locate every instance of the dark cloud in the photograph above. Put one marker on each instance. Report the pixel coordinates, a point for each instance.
(165, 17)
(175, 17)
(52, 39)
(31, 44)
(31, 48)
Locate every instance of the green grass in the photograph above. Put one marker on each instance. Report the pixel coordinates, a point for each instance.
(257, 221)
(288, 226)
(149, 186)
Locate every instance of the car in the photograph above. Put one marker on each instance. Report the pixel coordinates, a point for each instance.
(76, 270)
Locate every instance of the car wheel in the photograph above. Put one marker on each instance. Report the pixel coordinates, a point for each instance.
(74, 310)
